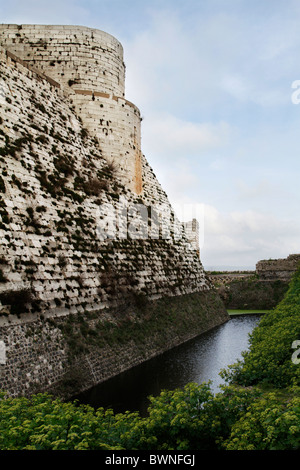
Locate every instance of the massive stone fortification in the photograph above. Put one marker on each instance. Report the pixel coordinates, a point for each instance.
(96, 272)
(88, 63)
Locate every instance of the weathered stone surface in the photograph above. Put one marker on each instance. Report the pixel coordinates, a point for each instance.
(75, 241)
(68, 354)
(88, 64)
(278, 268)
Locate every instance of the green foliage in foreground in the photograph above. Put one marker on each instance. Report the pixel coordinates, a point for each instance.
(270, 423)
(187, 419)
(242, 417)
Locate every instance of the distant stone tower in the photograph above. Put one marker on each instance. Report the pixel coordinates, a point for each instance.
(88, 64)
(192, 232)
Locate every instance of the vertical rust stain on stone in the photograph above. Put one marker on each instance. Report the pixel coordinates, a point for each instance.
(138, 177)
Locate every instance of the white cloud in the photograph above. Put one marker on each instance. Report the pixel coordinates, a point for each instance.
(248, 89)
(218, 164)
(208, 62)
(177, 150)
(243, 238)
(260, 189)
(174, 137)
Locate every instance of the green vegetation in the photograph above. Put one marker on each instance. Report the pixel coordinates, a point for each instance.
(233, 312)
(188, 419)
(162, 320)
(252, 293)
(268, 359)
(258, 410)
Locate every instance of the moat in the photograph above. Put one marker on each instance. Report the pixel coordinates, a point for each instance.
(199, 360)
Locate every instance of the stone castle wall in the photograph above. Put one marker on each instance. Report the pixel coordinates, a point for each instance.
(192, 233)
(61, 284)
(90, 58)
(88, 63)
(42, 138)
(278, 268)
(65, 355)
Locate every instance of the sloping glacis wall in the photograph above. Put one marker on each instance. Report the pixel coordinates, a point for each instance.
(88, 284)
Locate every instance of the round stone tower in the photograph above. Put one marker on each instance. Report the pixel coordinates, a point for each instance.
(88, 64)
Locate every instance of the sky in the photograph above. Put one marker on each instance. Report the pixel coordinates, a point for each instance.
(216, 84)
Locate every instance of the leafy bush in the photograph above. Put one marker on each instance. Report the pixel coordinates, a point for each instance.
(187, 419)
(192, 418)
(41, 423)
(179, 419)
(268, 424)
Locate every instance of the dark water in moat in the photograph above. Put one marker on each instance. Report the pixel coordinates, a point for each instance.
(198, 360)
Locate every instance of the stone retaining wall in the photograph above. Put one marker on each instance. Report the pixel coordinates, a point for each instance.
(68, 354)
